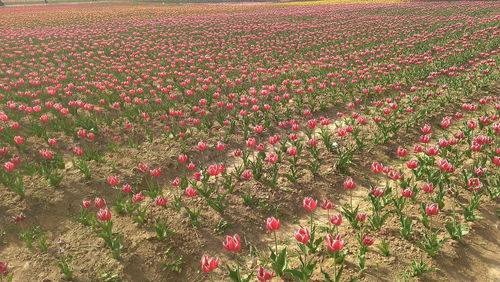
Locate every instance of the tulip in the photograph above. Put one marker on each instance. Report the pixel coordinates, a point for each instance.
(198, 176)
(334, 245)
(161, 201)
(443, 165)
(376, 167)
(272, 224)
(336, 219)
(126, 188)
(428, 187)
(247, 174)
(104, 214)
(418, 149)
(191, 166)
(155, 172)
(220, 146)
(201, 146)
(401, 152)
(262, 275)
(407, 193)
(8, 166)
(19, 140)
(99, 203)
(232, 244)
(3, 268)
(472, 124)
(327, 205)
(378, 192)
(426, 129)
(496, 160)
(341, 132)
(446, 122)
(182, 158)
(412, 164)
(432, 209)
(474, 184)
(350, 185)
(480, 171)
(143, 167)
(15, 160)
(238, 153)
(302, 235)
(367, 241)
(138, 197)
(309, 203)
(251, 142)
(208, 264)
(112, 180)
(260, 147)
(272, 158)
(86, 204)
(443, 143)
(19, 218)
(176, 182)
(213, 170)
(190, 192)
(432, 151)
(361, 217)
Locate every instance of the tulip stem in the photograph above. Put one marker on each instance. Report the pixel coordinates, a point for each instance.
(335, 265)
(329, 223)
(312, 220)
(276, 242)
(453, 206)
(351, 198)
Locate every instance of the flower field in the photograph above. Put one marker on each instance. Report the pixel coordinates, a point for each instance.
(251, 142)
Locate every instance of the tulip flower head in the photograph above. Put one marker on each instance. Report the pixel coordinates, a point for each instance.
(336, 219)
(302, 235)
(161, 201)
(412, 164)
(86, 204)
(328, 205)
(112, 180)
(432, 209)
(104, 214)
(309, 203)
(190, 192)
(349, 184)
(232, 244)
(428, 187)
(402, 152)
(272, 224)
(408, 192)
(263, 275)
(334, 245)
(3, 268)
(99, 203)
(367, 241)
(208, 264)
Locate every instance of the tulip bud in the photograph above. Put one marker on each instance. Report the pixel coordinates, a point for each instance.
(302, 235)
(272, 224)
